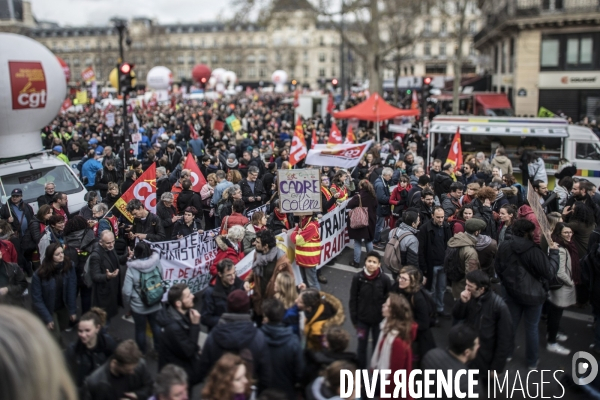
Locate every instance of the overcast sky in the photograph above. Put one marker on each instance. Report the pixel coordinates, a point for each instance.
(98, 12)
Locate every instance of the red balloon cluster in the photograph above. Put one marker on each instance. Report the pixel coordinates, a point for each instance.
(201, 73)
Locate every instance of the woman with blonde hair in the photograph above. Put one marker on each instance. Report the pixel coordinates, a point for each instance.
(228, 380)
(31, 364)
(234, 176)
(398, 330)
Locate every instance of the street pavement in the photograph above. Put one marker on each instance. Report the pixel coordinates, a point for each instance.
(576, 323)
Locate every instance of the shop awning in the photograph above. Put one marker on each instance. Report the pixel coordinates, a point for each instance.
(374, 109)
(493, 101)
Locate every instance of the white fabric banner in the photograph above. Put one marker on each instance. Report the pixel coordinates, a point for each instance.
(341, 155)
(188, 259)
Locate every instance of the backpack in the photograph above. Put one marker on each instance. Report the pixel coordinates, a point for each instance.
(152, 286)
(392, 257)
(452, 266)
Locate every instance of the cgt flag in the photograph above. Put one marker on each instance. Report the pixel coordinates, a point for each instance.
(143, 189)
(342, 155)
(350, 136)
(298, 149)
(198, 180)
(335, 136)
(455, 155)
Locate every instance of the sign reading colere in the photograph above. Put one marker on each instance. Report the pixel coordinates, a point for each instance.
(299, 191)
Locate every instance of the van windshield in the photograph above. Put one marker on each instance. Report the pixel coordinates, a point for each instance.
(31, 182)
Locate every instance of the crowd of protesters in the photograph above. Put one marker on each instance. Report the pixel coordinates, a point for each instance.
(466, 227)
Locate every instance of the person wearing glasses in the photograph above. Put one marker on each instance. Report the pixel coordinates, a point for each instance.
(253, 191)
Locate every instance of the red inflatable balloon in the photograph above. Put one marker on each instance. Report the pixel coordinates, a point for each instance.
(65, 68)
(201, 73)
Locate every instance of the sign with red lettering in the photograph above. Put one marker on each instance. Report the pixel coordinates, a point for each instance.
(28, 85)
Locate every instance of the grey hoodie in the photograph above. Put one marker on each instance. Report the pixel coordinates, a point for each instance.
(503, 163)
(131, 286)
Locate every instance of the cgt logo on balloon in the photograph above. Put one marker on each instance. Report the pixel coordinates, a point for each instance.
(28, 85)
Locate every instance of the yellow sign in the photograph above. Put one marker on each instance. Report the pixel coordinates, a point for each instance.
(82, 97)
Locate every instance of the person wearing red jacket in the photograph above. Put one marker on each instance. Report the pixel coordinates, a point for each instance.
(398, 330)
(7, 251)
(399, 198)
(307, 238)
(228, 247)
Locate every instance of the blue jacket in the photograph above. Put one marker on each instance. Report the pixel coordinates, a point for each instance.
(197, 146)
(43, 296)
(89, 170)
(287, 358)
(382, 191)
(219, 189)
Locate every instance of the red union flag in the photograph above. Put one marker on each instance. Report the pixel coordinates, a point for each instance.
(198, 180)
(28, 85)
(298, 149)
(335, 137)
(455, 154)
(88, 74)
(143, 189)
(341, 155)
(350, 136)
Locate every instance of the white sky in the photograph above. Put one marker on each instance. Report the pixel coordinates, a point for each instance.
(98, 12)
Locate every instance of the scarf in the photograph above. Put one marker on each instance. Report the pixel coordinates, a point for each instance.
(571, 248)
(282, 218)
(372, 276)
(261, 260)
(259, 228)
(383, 352)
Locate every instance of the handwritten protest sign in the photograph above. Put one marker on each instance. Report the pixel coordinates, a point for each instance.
(234, 123)
(299, 191)
(534, 201)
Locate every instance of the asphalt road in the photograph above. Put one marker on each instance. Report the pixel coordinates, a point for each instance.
(576, 323)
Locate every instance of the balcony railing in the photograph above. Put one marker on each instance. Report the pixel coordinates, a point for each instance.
(516, 9)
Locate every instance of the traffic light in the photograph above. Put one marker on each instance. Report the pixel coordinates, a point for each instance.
(334, 82)
(408, 91)
(425, 93)
(127, 81)
(294, 82)
(130, 155)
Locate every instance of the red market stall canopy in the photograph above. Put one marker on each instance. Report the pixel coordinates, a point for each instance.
(375, 109)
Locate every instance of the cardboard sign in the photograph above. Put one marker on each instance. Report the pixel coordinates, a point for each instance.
(299, 191)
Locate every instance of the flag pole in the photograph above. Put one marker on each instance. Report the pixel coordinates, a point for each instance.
(7, 200)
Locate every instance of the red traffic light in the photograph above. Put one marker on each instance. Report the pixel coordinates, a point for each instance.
(427, 80)
(203, 80)
(334, 81)
(125, 68)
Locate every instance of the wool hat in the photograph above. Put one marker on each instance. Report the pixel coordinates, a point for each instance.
(474, 225)
(93, 141)
(58, 149)
(238, 302)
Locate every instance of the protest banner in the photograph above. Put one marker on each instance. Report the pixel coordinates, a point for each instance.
(341, 155)
(234, 123)
(110, 119)
(82, 97)
(88, 74)
(299, 191)
(534, 202)
(262, 208)
(334, 233)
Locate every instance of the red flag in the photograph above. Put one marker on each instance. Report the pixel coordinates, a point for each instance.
(298, 150)
(218, 125)
(198, 180)
(330, 105)
(66, 104)
(193, 132)
(143, 189)
(335, 136)
(350, 137)
(414, 104)
(314, 139)
(296, 98)
(455, 155)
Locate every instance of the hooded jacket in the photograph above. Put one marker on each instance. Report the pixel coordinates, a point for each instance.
(450, 205)
(469, 261)
(537, 170)
(17, 284)
(442, 184)
(83, 361)
(328, 314)
(131, 286)
(486, 248)
(188, 198)
(409, 245)
(511, 194)
(263, 275)
(503, 163)
(214, 301)
(287, 358)
(178, 342)
(233, 334)
(226, 249)
(525, 212)
(367, 297)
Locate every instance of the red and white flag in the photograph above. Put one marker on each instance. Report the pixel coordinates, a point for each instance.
(455, 155)
(335, 136)
(198, 180)
(330, 105)
(350, 136)
(314, 139)
(298, 150)
(414, 104)
(193, 133)
(143, 189)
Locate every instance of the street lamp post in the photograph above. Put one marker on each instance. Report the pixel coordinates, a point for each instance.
(121, 26)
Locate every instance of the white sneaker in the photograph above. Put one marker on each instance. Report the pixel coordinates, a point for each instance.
(561, 337)
(558, 349)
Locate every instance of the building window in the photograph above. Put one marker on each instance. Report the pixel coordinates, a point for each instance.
(435, 69)
(550, 51)
(472, 49)
(76, 62)
(321, 41)
(305, 41)
(332, 57)
(276, 41)
(204, 59)
(511, 55)
(305, 71)
(180, 60)
(321, 57)
(321, 72)
(292, 41)
(444, 28)
(333, 72)
(262, 73)
(251, 59)
(473, 26)
(579, 51)
(227, 58)
(89, 61)
(191, 59)
(443, 49)
(157, 60)
(262, 58)
(427, 48)
(305, 56)
(427, 27)
(215, 59)
(251, 72)
(278, 57)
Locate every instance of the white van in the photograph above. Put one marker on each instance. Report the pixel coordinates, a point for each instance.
(30, 173)
(551, 138)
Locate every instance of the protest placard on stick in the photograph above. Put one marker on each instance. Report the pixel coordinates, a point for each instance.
(299, 191)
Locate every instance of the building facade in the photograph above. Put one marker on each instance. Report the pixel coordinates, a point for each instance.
(544, 53)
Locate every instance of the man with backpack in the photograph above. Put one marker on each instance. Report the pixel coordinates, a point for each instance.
(487, 313)
(461, 256)
(433, 239)
(403, 246)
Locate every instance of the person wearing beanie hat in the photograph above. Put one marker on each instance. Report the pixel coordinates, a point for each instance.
(58, 152)
(235, 332)
(231, 162)
(463, 258)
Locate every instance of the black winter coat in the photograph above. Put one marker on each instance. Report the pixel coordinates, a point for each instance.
(442, 184)
(259, 192)
(103, 177)
(98, 387)
(152, 227)
(427, 247)
(486, 214)
(106, 293)
(179, 342)
(370, 202)
(182, 229)
(523, 269)
(489, 316)
(189, 198)
(166, 217)
(44, 199)
(421, 312)
(287, 360)
(17, 284)
(163, 185)
(367, 297)
(214, 301)
(83, 361)
(5, 213)
(234, 333)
